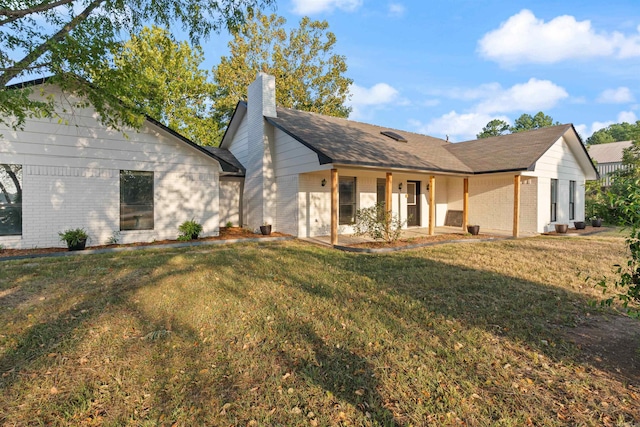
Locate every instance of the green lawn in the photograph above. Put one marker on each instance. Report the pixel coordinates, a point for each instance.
(293, 334)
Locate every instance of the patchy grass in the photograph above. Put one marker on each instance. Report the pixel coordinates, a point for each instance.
(294, 334)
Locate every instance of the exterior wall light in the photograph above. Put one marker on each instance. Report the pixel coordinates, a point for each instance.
(324, 182)
(400, 186)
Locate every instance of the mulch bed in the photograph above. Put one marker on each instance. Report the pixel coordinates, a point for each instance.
(585, 231)
(230, 233)
(419, 240)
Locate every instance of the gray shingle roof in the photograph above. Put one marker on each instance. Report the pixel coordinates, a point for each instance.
(513, 152)
(227, 161)
(608, 153)
(346, 142)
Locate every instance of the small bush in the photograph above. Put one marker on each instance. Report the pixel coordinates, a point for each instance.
(73, 236)
(114, 239)
(229, 224)
(189, 230)
(378, 223)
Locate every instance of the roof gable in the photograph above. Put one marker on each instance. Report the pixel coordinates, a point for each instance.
(227, 162)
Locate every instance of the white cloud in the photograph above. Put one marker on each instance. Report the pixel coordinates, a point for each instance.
(523, 38)
(396, 9)
(459, 127)
(532, 95)
(309, 7)
(620, 95)
(376, 96)
(380, 93)
(627, 116)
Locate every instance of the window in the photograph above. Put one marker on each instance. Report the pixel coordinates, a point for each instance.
(10, 200)
(554, 200)
(136, 200)
(572, 200)
(347, 200)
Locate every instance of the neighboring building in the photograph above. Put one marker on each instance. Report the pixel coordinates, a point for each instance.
(78, 173)
(307, 174)
(608, 158)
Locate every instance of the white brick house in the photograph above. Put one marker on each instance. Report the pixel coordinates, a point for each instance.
(72, 173)
(308, 173)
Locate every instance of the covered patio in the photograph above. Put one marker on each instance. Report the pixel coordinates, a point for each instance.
(410, 233)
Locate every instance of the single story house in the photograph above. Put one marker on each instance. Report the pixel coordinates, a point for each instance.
(608, 158)
(77, 173)
(307, 174)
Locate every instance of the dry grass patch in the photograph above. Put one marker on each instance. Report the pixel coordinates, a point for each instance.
(293, 334)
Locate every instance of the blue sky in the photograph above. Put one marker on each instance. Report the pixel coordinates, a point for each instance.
(448, 67)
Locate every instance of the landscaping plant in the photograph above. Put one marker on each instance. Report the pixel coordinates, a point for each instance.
(189, 230)
(378, 223)
(73, 236)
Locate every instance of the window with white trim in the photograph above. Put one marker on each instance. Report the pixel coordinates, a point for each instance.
(347, 200)
(10, 199)
(136, 200)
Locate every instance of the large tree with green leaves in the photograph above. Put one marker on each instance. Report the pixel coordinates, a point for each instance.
(495, 127)
(615, 132)
(523, 123)
(165, 81)
(527, 122)
(309, 76)
(72, 40)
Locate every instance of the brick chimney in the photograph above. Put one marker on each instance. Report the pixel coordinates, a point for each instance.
(260, 181)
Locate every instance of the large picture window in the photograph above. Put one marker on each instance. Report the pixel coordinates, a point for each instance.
(554, 200)
(10, 200)
(347, 203)
(136, 200)
(572, 200)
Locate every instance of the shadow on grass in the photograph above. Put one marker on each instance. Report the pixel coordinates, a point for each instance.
(407, 292)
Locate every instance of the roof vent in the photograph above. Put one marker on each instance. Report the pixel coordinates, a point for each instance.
(394, 135)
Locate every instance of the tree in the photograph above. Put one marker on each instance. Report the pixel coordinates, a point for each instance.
(72, 40)
(166, 83)
(527, 122)
(622, 206)
(615, 132)
(495, 127)
(309, 76)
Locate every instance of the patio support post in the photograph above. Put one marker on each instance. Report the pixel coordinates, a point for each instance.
(516, 205)
(465, 205)
(432, 205)
(334, 207)
(388, 189)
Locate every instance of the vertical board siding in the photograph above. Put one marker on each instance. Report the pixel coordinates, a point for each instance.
(560, 163)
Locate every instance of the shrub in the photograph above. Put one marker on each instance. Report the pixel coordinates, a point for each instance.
(73, 236)
(378, 223)
(229, 224)
(189, 230)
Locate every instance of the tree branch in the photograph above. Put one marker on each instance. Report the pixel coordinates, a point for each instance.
(44, 47)
(14, 15)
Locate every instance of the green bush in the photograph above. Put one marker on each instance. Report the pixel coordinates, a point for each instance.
(73, 236)
(378, 223)
(189, 230)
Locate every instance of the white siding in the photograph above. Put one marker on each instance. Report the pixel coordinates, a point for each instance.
(287, 204)
(291, 157)
(239, 145)
(560, 163)
(230, 203)
(71, 178)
